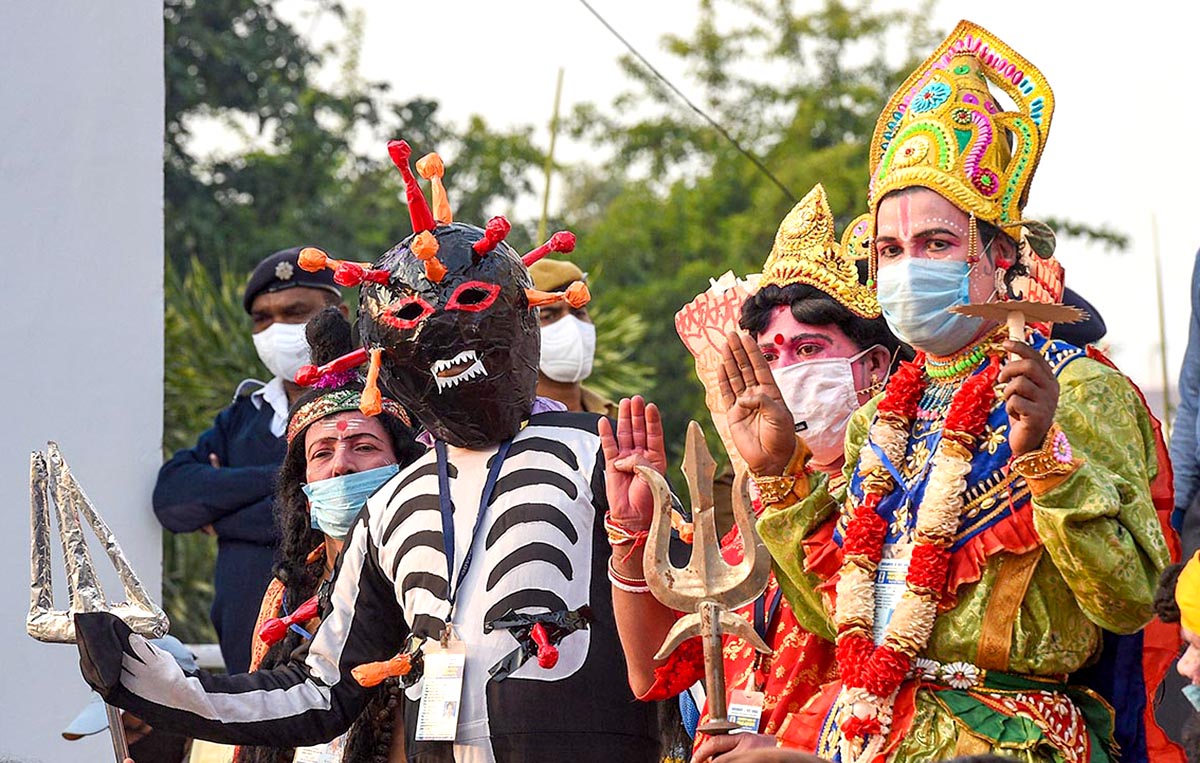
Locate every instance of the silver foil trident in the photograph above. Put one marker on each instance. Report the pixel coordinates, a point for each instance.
(51, 481)
(708, 587)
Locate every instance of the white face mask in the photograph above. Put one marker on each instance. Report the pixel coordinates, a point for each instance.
(283, 348)
(568, 348)
(821, 395)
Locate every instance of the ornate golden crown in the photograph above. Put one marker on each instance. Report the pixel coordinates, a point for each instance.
(944, 131)
(806, 251)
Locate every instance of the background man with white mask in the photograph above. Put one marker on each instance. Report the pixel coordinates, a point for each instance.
(568, 343)
(224, 484)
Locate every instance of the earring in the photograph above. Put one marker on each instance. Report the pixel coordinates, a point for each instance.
(972, 241)
(875, 386)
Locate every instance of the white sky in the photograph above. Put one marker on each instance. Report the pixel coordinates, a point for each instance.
(1119, 152)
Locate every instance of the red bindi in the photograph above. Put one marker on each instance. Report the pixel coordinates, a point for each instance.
(342, 426)
(779, 340)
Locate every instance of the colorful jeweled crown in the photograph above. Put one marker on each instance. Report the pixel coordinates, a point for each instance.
(806, 251)
(944, 131)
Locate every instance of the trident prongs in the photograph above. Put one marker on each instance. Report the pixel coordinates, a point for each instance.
(708, 587)
(50, 479)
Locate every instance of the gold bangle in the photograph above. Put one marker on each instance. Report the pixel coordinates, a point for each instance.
(1053, 461)
(774, 489)
(785, 488)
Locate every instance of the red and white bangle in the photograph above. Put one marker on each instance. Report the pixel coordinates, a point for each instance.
(626, 584)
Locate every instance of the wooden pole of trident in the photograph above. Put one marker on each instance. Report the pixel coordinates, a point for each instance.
(50, 481)
(708, 587)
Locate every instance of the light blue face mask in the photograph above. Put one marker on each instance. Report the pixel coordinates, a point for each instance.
(335, 502)
(1192, 692)
(916, 296)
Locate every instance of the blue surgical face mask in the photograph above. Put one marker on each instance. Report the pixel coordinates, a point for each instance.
(335, 502)
(916, 296)
(1192, 692)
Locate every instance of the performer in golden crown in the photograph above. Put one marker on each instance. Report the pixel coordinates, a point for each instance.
(998, 515)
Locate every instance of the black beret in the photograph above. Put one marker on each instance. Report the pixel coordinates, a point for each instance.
(282, 271)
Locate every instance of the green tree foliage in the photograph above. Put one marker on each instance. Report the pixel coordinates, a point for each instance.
(670, 204)
(679, 204)
(211, 350)
(312, 169)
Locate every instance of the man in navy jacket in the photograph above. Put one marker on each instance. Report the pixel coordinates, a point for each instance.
(225, 484)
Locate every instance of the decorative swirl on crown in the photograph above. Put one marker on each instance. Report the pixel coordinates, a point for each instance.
(944, 131)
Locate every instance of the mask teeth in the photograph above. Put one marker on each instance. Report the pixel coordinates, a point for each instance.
(561, 242)
(496, 231)
(311, 376)
(433, 169)
(418, 208)
(576, 295)
(371, 403)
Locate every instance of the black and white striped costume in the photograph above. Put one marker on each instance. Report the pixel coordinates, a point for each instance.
(542, 547)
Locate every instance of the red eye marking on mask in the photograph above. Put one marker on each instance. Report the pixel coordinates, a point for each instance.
(407, 313)
(473, 296)
(779, 340)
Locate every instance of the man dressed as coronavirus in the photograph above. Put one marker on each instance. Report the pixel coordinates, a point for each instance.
(477, 574)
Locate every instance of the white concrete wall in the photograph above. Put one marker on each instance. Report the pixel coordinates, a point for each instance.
(81, 122)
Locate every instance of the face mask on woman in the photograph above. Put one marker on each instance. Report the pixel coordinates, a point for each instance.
(335, 503)
(283, 348)
(568, 348)
(916, 296)
(1192, 692)
(821, 396)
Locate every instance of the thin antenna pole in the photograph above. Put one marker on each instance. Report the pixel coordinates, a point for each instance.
(549, 168)
(1168, 414)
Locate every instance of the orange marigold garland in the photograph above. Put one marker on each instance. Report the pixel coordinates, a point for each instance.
(871, 674)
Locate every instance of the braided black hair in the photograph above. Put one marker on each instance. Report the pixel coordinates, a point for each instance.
(370, 738)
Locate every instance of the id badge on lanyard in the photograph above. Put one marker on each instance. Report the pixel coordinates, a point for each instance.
(441, 690)
(446, 659)
(747, 702)
(890, 584)
(330, 752)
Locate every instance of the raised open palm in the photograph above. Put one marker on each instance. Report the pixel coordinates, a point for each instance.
(638, 441)
(759, 421)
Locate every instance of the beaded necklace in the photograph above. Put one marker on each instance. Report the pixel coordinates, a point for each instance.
(965, 360)
(871, 674)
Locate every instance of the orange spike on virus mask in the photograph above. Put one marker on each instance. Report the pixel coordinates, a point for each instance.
(372, 400)
(433, 169)
(576, 295)
(425, 247)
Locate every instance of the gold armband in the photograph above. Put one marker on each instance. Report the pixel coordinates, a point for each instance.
(1047, 467)
(792, 485)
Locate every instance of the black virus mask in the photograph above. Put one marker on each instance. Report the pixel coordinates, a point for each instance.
(447, 318)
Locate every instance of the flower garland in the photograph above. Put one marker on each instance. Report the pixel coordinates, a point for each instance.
(871, 675)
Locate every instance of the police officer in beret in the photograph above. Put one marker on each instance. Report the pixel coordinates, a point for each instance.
(224, 486)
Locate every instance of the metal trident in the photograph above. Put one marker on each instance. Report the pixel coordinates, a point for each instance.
(708, 587)
(50, 480)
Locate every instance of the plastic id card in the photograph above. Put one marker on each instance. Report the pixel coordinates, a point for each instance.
(441, 692)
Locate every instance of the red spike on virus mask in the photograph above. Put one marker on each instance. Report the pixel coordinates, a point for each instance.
(561, 242)
(418, 208)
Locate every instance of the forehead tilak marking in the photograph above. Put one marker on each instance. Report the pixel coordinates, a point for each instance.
(341, 425)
